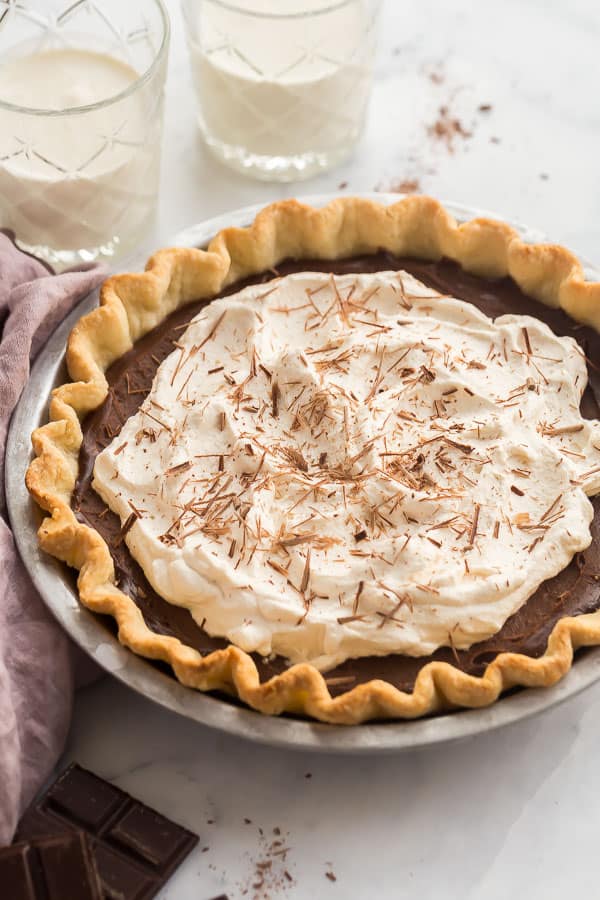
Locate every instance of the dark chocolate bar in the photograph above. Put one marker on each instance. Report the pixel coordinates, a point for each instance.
(135, 848)
(51, 868)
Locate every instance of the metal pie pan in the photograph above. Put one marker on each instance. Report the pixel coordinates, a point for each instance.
(56, 585)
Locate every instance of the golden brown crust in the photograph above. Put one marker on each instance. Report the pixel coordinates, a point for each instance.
(132, 304)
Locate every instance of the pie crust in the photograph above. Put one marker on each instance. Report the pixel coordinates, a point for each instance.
(133, 304)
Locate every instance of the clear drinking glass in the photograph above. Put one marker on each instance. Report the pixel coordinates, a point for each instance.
(282, 85)
(81, 107)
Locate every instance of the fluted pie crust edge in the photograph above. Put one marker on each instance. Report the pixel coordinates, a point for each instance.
(133, 304)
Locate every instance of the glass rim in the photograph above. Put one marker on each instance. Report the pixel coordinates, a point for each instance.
(328, 7)
(114, 98)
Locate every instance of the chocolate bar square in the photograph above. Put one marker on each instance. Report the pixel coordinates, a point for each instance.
(51, 868)
(135, 848)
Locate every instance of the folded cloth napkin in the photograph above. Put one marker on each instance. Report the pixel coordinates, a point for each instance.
(36, 663)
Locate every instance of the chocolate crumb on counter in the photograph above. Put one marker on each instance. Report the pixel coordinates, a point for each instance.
(447, 128)
(436, 74)
(400, 186)
(268, 876)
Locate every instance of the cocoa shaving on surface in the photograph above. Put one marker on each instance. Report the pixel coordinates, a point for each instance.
(447, 128)
(269, 876)
(445, 131)
(435, 72)
(401, 186)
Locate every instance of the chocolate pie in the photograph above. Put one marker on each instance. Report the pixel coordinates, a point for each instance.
(340, 464)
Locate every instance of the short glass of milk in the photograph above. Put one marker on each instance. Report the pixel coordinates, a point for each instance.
(81, 108)
(282, 85)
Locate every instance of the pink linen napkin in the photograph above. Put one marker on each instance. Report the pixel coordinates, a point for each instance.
(36, 664)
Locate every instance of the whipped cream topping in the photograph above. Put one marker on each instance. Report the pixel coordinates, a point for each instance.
(333, 467)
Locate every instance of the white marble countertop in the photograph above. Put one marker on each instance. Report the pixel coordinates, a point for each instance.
(514, 812)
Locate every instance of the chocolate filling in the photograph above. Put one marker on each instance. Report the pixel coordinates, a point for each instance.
(573, 591)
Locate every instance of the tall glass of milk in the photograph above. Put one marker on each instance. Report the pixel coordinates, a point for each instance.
(81, 102)
(282, 85)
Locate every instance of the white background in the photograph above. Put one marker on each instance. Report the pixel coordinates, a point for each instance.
(514, 813)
